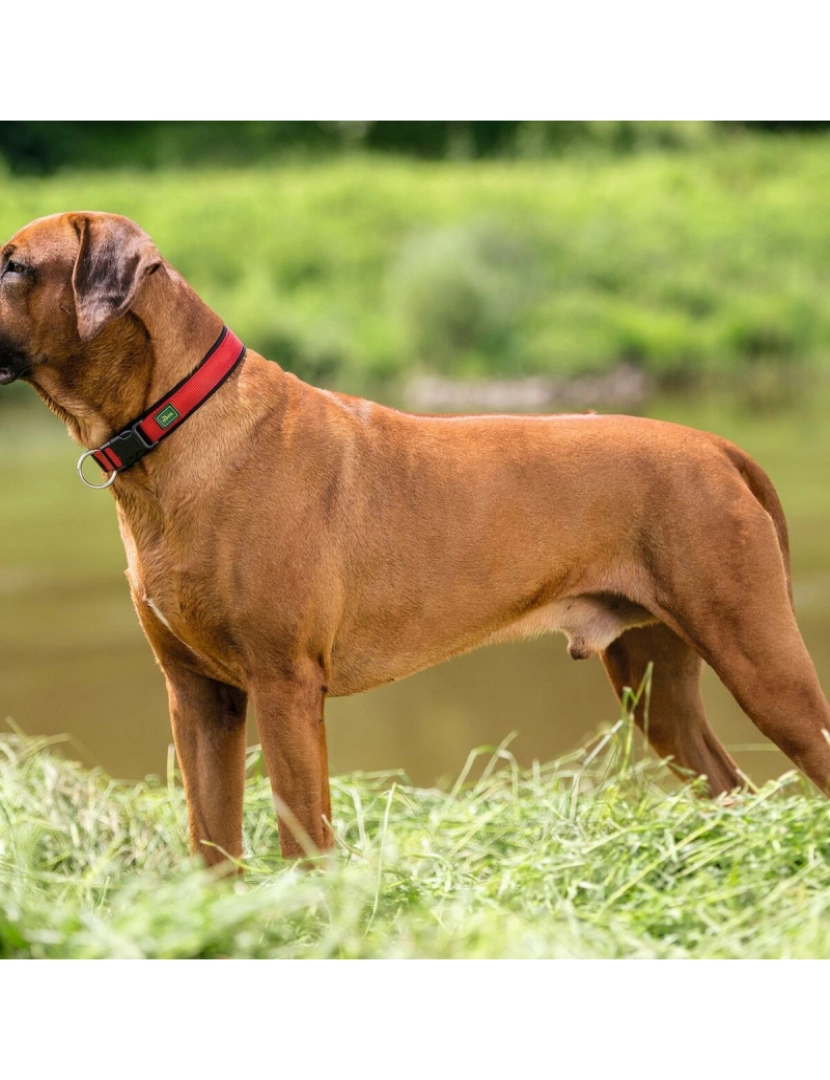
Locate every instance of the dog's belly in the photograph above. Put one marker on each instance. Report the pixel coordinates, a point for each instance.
(590, 624)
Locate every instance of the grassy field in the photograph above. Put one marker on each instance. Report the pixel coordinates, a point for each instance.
(688, 261)
(598, 855)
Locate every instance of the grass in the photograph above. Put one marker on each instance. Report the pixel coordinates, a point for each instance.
(595, 855)
(696, 260)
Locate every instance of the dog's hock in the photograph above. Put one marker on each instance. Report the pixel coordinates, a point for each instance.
(113, 260)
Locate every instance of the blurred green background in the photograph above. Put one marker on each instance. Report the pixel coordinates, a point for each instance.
(365, 253)
(375, 257)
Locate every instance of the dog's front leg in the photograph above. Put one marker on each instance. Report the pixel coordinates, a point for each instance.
(289, 717)
(208, 720)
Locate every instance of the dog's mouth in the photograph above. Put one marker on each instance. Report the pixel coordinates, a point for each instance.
(12, 366)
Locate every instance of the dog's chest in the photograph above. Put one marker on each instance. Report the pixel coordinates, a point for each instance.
(192, 616)
(184, 602)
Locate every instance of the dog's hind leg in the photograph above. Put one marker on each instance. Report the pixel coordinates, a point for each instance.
(743, 626)
(289, 716)
(672, 715)
(759, 655)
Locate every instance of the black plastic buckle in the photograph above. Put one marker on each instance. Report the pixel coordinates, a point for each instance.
(130, 445)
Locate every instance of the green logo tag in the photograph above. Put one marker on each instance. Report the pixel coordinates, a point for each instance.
(166, 417)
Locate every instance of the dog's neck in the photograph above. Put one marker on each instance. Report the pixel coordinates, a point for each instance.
(133, 362)
(181, 327)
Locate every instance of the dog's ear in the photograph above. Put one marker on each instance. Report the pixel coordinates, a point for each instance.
(113, 259)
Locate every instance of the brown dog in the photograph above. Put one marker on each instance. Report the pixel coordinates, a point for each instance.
(290, 543)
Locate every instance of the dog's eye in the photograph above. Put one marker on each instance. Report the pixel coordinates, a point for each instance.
(13, 267)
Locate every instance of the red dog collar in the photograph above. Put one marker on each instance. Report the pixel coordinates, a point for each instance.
(145, 433)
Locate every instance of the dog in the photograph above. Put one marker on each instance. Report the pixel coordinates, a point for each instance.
(286, 544)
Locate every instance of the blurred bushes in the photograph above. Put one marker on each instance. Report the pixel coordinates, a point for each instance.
(462, 293)
(42, 147)
(701, 258)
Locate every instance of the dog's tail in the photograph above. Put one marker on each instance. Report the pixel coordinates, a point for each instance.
(762, 489)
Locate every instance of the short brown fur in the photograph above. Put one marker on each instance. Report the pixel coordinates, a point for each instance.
(289, 543)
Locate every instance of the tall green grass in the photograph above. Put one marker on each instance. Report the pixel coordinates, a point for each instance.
(596, 855)
(699, 260)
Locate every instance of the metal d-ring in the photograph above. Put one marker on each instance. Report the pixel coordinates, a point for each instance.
(95, 487)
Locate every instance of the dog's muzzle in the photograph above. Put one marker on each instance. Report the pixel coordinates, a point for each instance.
(13, 365)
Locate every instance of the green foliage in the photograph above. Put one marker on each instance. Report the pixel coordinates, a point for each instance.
(45, 146)
(701, 259)
(591, 856)
(462, 291)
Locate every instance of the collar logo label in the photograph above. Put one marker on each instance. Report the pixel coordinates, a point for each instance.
(166, 417)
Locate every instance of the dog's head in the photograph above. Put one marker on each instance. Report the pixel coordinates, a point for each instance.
(63, 281)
